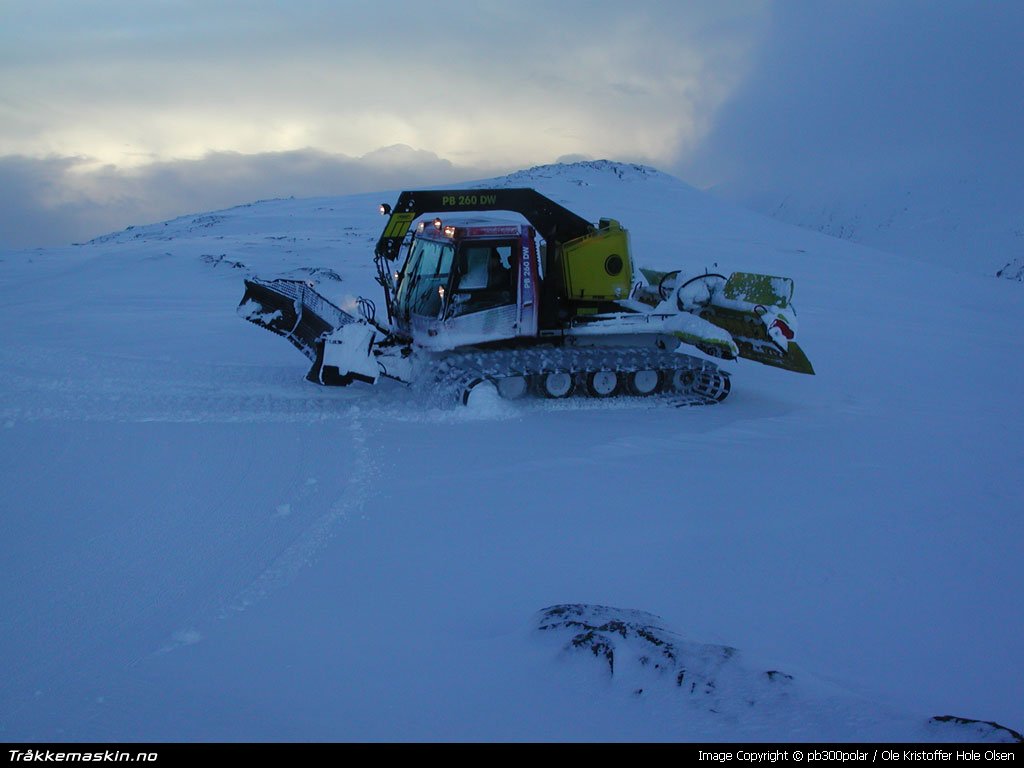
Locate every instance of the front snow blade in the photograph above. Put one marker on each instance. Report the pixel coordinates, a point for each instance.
(293, 309)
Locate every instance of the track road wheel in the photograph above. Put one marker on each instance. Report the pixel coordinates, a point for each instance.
(555, 385)
(683, 380)
(480, 394)
(643, 383)
(512, 387)
(602, 383)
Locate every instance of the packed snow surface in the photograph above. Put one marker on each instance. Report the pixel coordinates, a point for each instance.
(197, 544)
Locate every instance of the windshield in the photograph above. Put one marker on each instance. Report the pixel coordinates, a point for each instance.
(427, 269)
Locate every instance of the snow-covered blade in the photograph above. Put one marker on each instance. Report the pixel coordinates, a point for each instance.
(346, 355)
(293, 309)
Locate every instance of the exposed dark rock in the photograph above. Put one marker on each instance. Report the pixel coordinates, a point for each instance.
(221, 260)
(640, 649)
(965, 729)
(320, 273)
(1012, 270)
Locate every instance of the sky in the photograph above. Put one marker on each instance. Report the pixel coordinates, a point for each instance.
(115, 113)
(854, 91)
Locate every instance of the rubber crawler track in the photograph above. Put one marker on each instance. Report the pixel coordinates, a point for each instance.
(458, 373)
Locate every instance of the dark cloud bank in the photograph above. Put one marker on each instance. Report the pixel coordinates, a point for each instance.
(875, 88)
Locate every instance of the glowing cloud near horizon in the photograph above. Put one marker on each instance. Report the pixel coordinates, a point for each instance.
(498, 87)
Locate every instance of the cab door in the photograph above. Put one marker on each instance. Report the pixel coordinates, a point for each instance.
(481, 304)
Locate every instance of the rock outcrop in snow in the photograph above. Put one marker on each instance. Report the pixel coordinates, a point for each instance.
(645, 658)
(640, 652)
(1012, 270)
(956, 728)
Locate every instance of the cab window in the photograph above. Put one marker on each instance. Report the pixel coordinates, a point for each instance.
(483, 277)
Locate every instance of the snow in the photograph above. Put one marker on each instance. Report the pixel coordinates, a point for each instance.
(969, 222)
(200, 545)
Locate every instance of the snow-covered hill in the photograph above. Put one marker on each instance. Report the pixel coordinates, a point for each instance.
(964, 222)
(198, 544)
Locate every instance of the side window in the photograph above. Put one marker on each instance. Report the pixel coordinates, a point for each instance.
(484, 278)
(474, 278)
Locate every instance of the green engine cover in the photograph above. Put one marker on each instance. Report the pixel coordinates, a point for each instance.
(597, 266)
